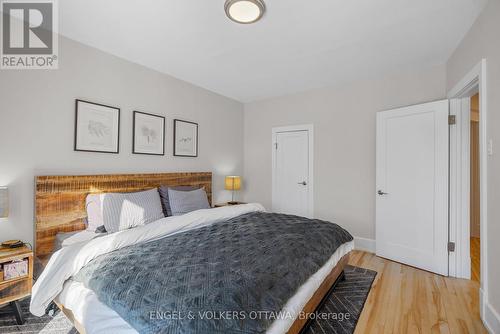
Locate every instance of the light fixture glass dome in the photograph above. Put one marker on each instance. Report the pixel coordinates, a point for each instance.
(245, 11)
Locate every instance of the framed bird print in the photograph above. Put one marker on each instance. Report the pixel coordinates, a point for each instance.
(185, 138)
(97, 127)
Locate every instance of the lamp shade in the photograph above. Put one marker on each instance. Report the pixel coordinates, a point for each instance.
(4, 202)
(233, 183)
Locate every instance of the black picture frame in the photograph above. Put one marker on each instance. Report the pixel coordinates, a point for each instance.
(112, 109)
(134, 148)
(176, 123)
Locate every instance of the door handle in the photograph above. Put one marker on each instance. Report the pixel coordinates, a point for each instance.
(304, 183)
(381, 193)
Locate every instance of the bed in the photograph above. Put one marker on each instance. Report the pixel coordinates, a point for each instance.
(69, 277)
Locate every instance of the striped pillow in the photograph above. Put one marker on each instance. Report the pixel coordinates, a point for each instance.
(121, 211)
(163, 190)
(182, 202)
(94, 212)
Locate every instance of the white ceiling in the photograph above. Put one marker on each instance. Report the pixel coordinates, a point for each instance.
(298, 45)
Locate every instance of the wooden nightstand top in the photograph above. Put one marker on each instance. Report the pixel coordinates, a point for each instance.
(220, 205)
(11, 254)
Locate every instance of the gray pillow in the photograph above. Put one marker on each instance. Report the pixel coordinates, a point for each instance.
(121, 211)
(182, 202)
(163, 190)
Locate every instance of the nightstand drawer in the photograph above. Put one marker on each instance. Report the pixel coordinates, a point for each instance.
(15, 289)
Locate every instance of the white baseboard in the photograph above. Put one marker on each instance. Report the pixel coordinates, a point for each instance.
(364, 244)
(481, 303)
(491, 319)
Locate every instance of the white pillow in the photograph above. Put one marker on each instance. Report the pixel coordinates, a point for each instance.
(121, 211)
(93, 205)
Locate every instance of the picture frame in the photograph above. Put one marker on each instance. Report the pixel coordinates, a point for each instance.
(148, 134)
(185, 138)
(97, 127)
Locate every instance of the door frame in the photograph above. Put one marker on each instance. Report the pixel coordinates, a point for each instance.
(475, 79)
(310, 134)
(459, 197)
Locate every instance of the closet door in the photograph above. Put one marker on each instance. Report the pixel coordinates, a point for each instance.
(292, 192)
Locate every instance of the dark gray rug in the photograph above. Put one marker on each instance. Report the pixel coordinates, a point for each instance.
(338, 315)
(58, 324)
(340, 311)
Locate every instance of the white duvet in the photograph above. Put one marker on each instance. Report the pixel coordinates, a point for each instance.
(69, 260)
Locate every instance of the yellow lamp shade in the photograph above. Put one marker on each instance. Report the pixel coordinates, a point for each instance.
(233, 183)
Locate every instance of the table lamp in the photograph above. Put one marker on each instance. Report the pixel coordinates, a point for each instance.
(233, 183)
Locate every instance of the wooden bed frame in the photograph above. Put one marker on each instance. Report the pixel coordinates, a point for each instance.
(60, 207)
(60, 200)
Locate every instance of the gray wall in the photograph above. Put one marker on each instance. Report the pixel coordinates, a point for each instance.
(37, 125)
(482, 41)
(344, 153)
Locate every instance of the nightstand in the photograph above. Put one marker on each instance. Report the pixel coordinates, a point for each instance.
(14, 289)
(227, 204)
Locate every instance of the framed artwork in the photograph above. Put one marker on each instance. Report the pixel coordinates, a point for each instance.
(97, 127)
(148, 134)
(185, 138)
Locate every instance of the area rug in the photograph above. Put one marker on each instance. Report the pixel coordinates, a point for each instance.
(338, 314)
(340, 311)
(58, 324)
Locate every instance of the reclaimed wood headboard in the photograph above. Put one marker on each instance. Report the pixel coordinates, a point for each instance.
(60, 200)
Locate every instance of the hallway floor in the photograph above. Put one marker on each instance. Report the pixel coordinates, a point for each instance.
(475, 257)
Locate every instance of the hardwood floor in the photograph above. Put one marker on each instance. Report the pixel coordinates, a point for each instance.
(475, 259)
(408, 300)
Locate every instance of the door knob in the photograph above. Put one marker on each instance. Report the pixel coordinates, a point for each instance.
(304, 183)
(381, 193)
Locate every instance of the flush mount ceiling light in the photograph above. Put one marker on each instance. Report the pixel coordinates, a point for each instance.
(245, 11)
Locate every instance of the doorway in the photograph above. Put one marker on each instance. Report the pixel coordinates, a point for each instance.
(475, 191)
(468, 201)
(292, 183)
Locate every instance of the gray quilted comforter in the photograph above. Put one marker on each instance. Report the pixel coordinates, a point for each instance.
(213, 279)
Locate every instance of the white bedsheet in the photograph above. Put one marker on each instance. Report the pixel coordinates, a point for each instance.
(71, 238)
(97, 318)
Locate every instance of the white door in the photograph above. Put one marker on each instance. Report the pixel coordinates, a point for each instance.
(412, 186)
(292, 180)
